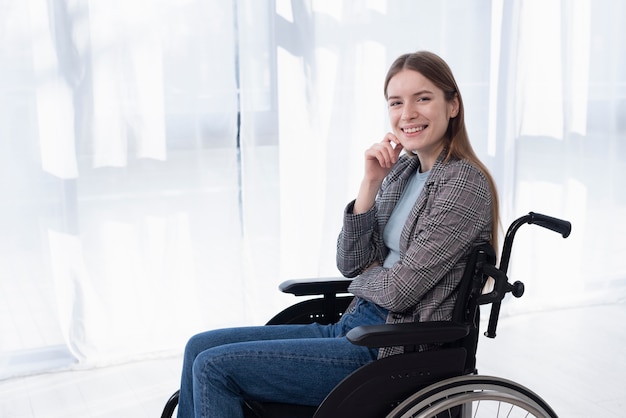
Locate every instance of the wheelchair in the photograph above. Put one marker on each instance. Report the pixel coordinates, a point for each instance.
(442, 382)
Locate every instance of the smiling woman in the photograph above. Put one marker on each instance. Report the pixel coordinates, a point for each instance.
(435, 221)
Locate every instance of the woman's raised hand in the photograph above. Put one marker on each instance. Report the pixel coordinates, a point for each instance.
(379, 158)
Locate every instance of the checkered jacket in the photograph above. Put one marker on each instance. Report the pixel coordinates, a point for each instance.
(451, 215)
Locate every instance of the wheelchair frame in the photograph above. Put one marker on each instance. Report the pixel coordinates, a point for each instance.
(440, 382)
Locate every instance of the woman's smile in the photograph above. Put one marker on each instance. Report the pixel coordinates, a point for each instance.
(414, 130)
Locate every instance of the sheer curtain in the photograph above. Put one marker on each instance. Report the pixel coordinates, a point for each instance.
(562, 106)
(121, 211)
(165, 164)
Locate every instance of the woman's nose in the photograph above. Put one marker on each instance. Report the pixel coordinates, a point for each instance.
(409, 112)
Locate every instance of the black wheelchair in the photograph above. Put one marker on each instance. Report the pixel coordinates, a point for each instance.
(437, 383)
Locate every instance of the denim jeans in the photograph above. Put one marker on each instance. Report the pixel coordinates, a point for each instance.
(279, 363)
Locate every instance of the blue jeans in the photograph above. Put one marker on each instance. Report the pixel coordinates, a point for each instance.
(278, 363)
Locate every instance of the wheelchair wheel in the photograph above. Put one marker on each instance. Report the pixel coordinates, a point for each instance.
(473, 396)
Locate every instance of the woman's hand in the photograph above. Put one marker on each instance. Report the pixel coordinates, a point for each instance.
(379, 158)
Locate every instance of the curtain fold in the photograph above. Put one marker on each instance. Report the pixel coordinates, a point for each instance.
(165, 164)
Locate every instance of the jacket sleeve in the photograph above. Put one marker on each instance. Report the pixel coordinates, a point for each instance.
(457, 213)
(359, 243)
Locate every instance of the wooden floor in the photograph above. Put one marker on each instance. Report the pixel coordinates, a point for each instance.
(575, 359)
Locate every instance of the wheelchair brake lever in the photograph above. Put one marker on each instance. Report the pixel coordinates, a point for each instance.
(500, 289)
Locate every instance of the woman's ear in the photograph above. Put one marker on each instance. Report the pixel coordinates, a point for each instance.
(454, 107)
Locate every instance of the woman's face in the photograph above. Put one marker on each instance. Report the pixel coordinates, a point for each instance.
(419, 114)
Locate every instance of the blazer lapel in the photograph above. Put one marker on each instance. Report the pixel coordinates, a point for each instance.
(413, 220)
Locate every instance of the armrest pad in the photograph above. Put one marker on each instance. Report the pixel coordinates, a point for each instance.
(317, 286)
(392, 335)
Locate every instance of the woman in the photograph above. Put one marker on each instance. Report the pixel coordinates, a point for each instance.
(405, 239)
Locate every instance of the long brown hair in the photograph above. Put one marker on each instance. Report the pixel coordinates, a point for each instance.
(458, 145)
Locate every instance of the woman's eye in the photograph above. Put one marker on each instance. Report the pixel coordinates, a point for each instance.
(395, 103)
(423, 99)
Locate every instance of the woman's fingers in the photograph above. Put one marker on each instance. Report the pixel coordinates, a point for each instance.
(386, 152)
(395, 144)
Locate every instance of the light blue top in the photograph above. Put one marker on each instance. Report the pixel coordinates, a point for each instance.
(393, 229)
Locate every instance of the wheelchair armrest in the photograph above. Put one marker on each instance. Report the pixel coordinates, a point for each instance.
(406, 334)
(317, 286)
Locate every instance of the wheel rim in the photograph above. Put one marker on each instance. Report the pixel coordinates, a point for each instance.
(477, 397)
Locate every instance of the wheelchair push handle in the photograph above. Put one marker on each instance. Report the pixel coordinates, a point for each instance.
(554, 224)
(502, 285)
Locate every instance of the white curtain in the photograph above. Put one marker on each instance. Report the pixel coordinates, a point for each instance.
(165, 164)
(562, 121)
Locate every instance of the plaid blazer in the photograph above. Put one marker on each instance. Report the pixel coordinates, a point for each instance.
(451, 215)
